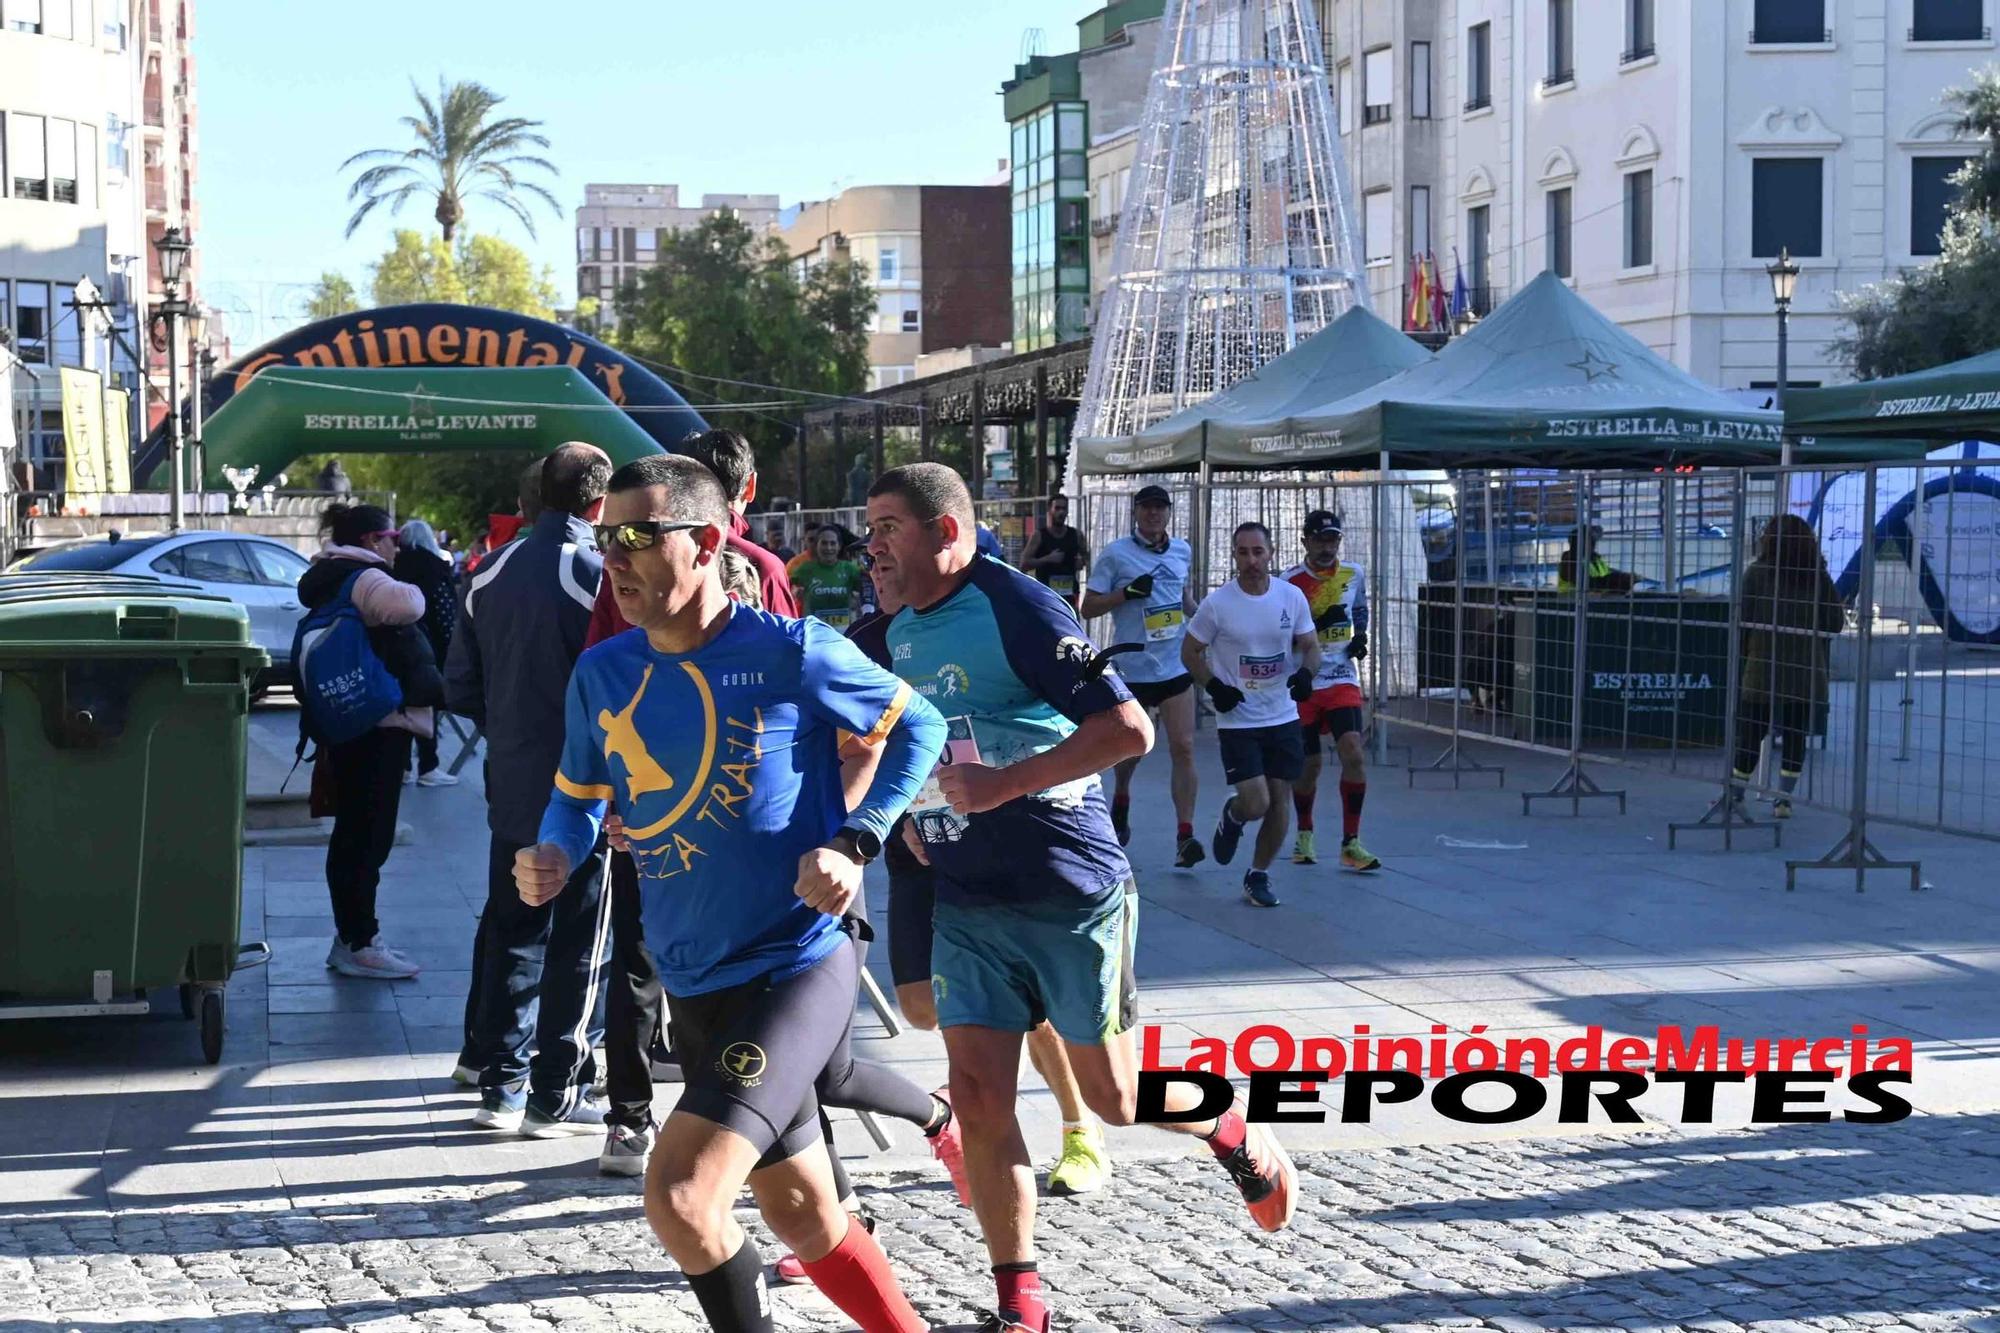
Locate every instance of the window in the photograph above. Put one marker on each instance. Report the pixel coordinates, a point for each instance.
(27, 156)
(1556, 233)
(912, 319)
(1478, 246)
(1947, 21)
(62, 161)
(112, 23)
(67, 323)
(214, 562)
(888, 264)
(118, 156)
(1638, 219)
(57, 20)
(86, 165)
(1420, 80)
(1420, 219)
(1378, 85)
(1346, 77)
(1562, 55)
(1931, 197)
(1780, 21)
(22, 15)
(276, 565)
(1638, 31)
(31, 322)
(1377, 237)
(629, 238)
(1478, 66)
(1786, 206)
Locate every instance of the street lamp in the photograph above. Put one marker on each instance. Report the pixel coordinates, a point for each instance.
(172, 248)
(1784, 279)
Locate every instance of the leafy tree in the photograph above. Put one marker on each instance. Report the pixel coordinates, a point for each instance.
(726, 304)
(462, 152)
(1947, 310)
(418, 268)
(332, 295)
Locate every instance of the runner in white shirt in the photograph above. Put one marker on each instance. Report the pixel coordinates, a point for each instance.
(1252, 647)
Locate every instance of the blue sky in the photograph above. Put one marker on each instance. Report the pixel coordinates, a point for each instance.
(793, 97)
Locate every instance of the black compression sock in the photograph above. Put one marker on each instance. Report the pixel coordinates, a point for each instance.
(733, 1296)
(940, 1117)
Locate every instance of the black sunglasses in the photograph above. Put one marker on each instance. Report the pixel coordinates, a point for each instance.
(638, 535)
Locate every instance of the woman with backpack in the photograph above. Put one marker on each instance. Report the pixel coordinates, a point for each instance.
(1791, 613)
(366, 771)
(422, 563)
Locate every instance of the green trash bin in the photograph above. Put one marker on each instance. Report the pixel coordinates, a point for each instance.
(124, 718)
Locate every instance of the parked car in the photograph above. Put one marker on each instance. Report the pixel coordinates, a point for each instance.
(257, 573)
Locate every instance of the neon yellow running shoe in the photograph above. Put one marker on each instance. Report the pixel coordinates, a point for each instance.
(1084, 1165)
(1303, 851)
(1356, 857)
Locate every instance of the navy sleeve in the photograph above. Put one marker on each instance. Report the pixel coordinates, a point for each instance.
(1045, 644)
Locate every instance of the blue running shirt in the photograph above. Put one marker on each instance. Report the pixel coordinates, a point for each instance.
(1158, 620)
(1003, 659)
(724, 765)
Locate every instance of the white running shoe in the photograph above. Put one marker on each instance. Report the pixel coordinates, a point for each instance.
(373, 960)
(409, 776)
(437, 777)
(625, 1151)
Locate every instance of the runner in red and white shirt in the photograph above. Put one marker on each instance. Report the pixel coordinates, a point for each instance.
(1337, 592)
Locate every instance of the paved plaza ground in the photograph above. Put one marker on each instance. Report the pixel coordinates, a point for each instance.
(326, 1175)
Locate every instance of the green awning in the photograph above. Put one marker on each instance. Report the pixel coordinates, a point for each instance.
(1546, 380)
(1254, 422)
(1900, 417)
(287, 411)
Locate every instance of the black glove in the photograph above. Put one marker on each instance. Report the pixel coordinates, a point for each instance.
(1224, 697)
(1139, 587)
(1300, 683)
(1357, 647)
(1333, 615)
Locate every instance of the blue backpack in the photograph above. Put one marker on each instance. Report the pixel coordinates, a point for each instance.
(343, 686)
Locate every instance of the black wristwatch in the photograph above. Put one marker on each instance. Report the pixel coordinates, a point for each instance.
(862, 845)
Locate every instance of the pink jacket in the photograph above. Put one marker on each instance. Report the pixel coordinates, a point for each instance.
(384, 600)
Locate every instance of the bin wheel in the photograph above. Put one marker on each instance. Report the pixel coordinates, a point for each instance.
(211, 1026)
(188, 994)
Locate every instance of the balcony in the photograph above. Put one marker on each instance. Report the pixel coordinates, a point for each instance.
(155, 33)
(1776, 36)
(1950, 32)
(1375, 115)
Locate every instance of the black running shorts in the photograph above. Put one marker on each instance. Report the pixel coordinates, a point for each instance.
(1152, 693)
(912, 896)
(750, 1053)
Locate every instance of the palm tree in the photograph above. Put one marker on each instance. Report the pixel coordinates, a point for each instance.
(460, 155)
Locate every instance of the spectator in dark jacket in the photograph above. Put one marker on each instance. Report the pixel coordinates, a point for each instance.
(1791, 615)
(537, 970)
(422, 563)
(367, 772)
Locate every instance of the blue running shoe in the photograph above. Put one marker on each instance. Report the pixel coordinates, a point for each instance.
(1257, 888)
(1227, 834)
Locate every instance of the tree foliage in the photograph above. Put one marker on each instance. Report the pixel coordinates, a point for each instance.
(332, 295)
(1950, 309)
(479, 270)
(462, 152)
(726, 304)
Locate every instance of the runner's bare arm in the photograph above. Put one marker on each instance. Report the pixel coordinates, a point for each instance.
(1194, 656)
(1306, 648)
(1102, 603)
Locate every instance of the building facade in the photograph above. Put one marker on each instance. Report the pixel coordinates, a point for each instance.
(937, 255)
(98, 154)
(1658, 154)
(620, 228)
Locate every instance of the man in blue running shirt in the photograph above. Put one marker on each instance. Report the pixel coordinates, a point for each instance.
(1036, 909)
(713, 731)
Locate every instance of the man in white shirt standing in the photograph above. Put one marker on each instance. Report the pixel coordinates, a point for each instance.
(1251, 646)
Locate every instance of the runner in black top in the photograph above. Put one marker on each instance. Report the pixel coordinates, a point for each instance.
(1057, 554)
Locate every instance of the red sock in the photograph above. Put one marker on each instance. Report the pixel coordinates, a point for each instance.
(1021, 1294)
(1302, 802)
(1229, 1134)
(1183, 831)
(1351, 794)
(855, 1276)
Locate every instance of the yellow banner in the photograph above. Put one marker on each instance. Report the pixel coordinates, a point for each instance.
(83, 430)
(118, 441)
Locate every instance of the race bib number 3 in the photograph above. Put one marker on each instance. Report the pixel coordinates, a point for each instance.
(1163, 622)
(1260, 673)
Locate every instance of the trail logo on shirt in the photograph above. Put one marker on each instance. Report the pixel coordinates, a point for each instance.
(643, 775)
(743, 1061)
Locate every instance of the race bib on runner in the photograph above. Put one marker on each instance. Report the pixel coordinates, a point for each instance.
(959, 748)
(1260, 673)
(1063, 583)
(837, 619)
(1163, 622)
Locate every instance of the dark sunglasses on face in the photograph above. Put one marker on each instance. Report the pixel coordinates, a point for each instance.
(637, 536)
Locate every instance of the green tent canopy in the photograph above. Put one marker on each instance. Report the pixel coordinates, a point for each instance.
(1544, 381)
(1254, 422)
(287, 411)
(1958, 401)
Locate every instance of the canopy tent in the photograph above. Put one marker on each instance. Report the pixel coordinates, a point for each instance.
(287, 411)
(1958, 401)
(1254, 421)
(1544, 381)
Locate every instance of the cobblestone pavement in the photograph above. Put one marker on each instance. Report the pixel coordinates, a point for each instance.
(1799, 1227)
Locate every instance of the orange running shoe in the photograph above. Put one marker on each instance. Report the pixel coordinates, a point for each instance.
(1264, 1174)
